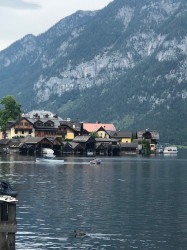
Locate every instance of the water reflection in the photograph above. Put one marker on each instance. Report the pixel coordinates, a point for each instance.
(130, 202)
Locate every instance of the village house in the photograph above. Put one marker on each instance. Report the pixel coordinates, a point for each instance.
(20, 128)
(103, 129)
(45, 123)
(103, 133)
(150, 135)
(124, 137)
(40, 129)
(68, 130)
(35, 125)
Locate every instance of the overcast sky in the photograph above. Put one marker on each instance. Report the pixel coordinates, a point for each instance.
(21, 17)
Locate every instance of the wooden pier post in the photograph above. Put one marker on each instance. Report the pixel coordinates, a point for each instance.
(8, 225)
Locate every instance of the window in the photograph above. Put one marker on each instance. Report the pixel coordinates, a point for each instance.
(23, 132)
(49, 124)
(16, 131)
(30, 131)
(39, 123)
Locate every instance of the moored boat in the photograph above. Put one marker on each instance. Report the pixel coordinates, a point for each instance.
(170, 150)
(48, 153)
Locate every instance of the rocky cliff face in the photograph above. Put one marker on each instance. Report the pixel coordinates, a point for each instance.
(136, 42)
(136, 49)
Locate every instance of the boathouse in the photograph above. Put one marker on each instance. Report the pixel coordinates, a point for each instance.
(73, 148)
(34, 145)
(129, 148)
(107, 146)
(86, 142)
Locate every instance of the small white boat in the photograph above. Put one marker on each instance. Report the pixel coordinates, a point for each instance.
(170, 150)
(49, 160)
(48, 153)
(95, 161)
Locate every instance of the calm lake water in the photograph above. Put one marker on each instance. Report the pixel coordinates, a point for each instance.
(130, 202)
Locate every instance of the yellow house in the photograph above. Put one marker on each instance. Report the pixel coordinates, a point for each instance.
(68, 130)
(20, 128)
(102, 133)
(125, 137)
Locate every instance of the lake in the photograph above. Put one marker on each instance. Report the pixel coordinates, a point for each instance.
(130, 202)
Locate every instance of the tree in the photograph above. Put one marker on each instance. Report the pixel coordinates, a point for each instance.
(11, 111)
(94, 134)
(146, 147)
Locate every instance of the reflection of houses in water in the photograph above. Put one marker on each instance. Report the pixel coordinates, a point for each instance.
(8, 224)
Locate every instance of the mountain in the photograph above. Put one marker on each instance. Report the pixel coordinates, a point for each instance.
(125, 64)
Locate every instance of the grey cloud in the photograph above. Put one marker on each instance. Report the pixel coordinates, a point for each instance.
(18, 4)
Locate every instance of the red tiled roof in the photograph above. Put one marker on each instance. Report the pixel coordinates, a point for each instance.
(91, 127)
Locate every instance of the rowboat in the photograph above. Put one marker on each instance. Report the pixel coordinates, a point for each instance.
(95, 161)
(49, 160)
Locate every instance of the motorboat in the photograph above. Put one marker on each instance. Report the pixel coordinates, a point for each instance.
(49, 160)
(170, 150)
(95, 161)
